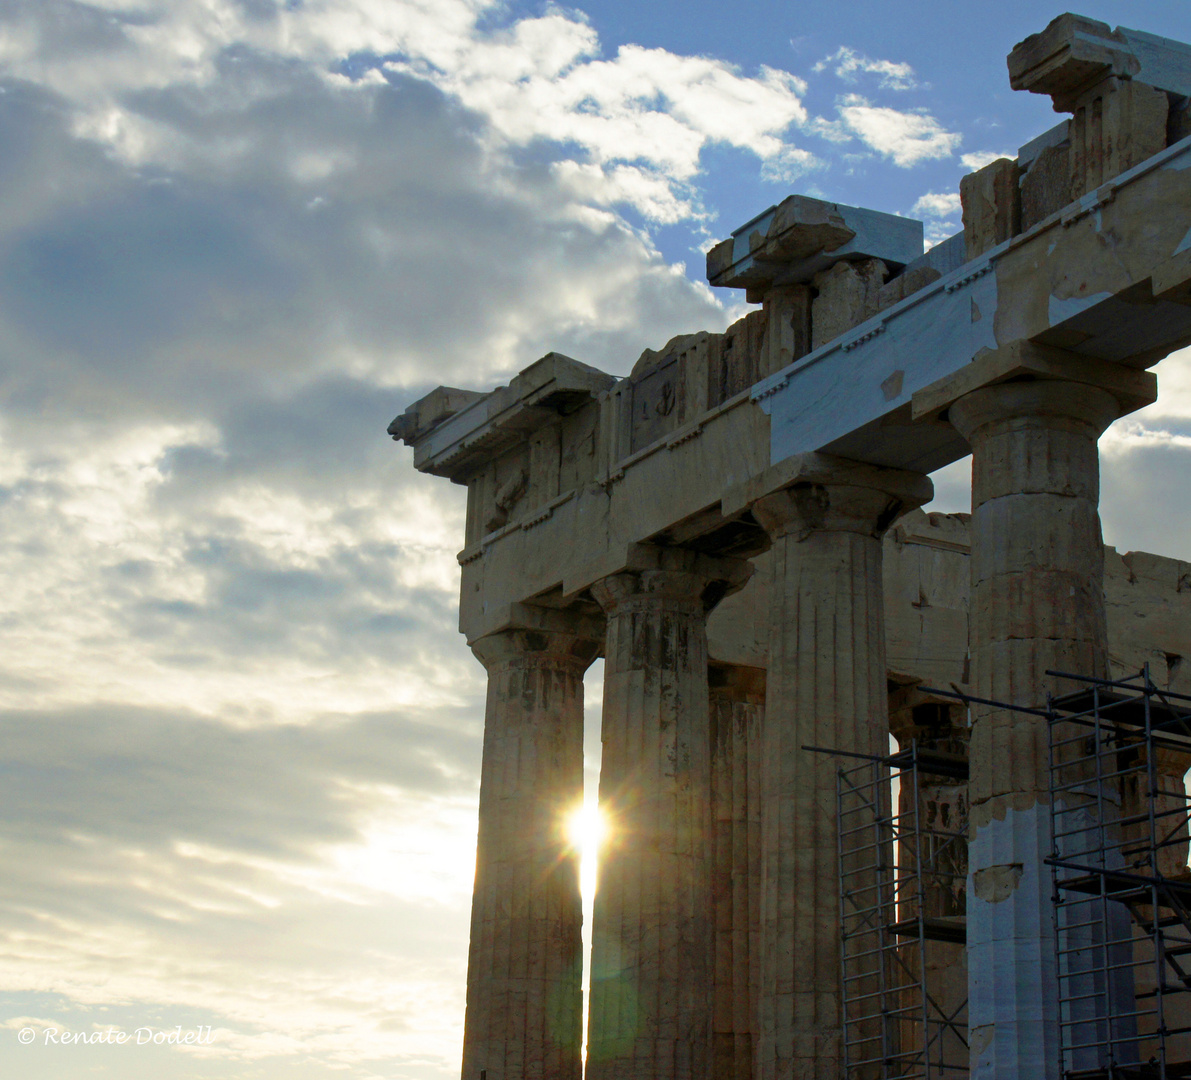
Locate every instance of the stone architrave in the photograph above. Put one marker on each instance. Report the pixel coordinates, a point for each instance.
(525, 965)
(826, 686)
(1037, 603)
(653, 936)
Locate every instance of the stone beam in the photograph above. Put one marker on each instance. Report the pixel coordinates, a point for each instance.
(469, 428)
(1098, 290)
(1108, 278)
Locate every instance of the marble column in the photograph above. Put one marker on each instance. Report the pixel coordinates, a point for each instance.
(737, 716)
(525, 964)
(1037, 602)
(826, 686)
(652, 943)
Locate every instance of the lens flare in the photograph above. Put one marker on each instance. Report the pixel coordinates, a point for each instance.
(585, 831)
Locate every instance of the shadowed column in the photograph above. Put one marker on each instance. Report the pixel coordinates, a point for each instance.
(826, 686)
(1037, 602)
(737, 716)
(525, 964)
(652, 952)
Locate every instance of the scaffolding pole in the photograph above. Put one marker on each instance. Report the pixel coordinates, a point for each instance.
(896, 1025)
(1121, 888)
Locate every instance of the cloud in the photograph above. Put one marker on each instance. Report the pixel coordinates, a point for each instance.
(906, 138)
(241, 728)
(937, 204)
(656, 198)
(979, 158)
(941, 211)
(645, 105)
(849, 63)
(536, 79)
(1145, 459)
(790, 165)
(201, 873)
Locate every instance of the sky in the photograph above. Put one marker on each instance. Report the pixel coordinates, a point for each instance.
(239, 732)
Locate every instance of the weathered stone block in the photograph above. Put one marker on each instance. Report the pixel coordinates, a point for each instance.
(1072, 53)
(1046, 188)
(992, 206)
(787, 328)
(905, 284)
(670, 387)
(735, 364)
(1117, 124)
(1178, 122)
(801, 237)
(440, 404)
(848, 294)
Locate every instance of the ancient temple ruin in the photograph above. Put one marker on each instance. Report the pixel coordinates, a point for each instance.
(735, 528)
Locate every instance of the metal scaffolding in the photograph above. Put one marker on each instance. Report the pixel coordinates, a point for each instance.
(893, 865)
(1119, 815)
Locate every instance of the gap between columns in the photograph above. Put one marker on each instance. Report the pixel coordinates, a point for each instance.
(593, 705)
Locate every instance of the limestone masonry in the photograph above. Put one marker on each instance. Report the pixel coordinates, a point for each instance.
(735, 528)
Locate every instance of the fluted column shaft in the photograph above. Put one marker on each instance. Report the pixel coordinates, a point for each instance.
(525, 964)
(826, 686)
(1037, 602)
(737, 717)
(651, 964)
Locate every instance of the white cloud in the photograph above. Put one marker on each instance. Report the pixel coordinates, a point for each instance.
(538, 79)
(979, 158)
(906, 138)
(652, 194)
(1145, 461)
(848, 63)
(937, 204)
(646, 105)
(245, 878)
(790, 165)
(229, 633)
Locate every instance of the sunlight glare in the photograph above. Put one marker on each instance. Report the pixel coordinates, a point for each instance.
(585, 831)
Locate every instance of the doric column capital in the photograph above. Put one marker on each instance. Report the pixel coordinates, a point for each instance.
(673, 577)
(559, 638)
(1050, 403)
(863, 500)
(1036, 438)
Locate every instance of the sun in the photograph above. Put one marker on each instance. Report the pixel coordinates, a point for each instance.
(586, 830)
